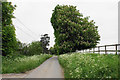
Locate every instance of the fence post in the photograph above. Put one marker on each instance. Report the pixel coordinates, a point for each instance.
(105, 50)
(93, 50)
(90, 50)
(116, 48)
(98, 49)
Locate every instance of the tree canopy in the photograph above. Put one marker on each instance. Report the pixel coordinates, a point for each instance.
(9, 42)
(73, 31)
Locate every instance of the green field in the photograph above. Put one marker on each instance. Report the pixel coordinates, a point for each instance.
(22, 63)
(78, 65)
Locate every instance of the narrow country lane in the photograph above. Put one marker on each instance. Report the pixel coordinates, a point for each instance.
(49, 69)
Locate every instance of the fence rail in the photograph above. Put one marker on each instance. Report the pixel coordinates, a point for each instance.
(116, 50)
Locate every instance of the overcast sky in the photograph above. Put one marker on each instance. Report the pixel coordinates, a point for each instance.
(33, 18)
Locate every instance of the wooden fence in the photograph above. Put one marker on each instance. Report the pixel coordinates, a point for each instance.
(105, 50)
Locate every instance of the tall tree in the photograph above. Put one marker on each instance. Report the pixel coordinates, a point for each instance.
(45, 39)
(9, 42)
(73, 31)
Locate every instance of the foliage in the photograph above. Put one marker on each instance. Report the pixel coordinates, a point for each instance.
(45, 39)
(0, 63)
(89, 65)
(53, 50)
(21, 64)
(9, 42)
(73, 31)
(20, 45)
(34, 48)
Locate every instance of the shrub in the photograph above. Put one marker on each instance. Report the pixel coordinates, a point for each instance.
(22, 63)
(89, 65)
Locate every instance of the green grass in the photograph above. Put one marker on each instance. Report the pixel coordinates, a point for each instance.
(0, 64)
(22, 63)
(78, 65)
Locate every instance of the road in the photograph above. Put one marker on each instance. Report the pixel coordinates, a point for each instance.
(49, 69)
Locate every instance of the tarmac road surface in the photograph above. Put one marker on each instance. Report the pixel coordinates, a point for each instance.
(49, 69)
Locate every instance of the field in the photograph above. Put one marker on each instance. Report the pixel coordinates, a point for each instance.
(80, 65)
(22, 63)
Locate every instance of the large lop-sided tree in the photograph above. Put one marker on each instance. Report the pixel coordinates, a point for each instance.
(73, 31)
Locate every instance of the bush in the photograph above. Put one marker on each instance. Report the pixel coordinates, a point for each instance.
(15, 64)
(89, 65)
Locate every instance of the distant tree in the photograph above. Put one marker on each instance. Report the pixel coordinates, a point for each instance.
(73, 31)
(20, 45)
(35, 48)
(53, 50)
(25, 49)
(9, 42)
(45, 39)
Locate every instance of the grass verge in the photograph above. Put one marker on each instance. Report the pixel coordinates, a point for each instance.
(22, 63)
(79, 65)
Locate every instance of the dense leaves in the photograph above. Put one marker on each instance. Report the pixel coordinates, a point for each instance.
(34, 48)
(53, 50)
(9, 42)
(73, 31)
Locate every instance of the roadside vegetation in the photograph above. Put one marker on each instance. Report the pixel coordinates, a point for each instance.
(19, 57)
(78, 65)
(22, 63)
(72, 32)
(25, 58)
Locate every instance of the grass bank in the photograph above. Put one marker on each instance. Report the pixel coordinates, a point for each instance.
(22, 63)
(79, 65)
